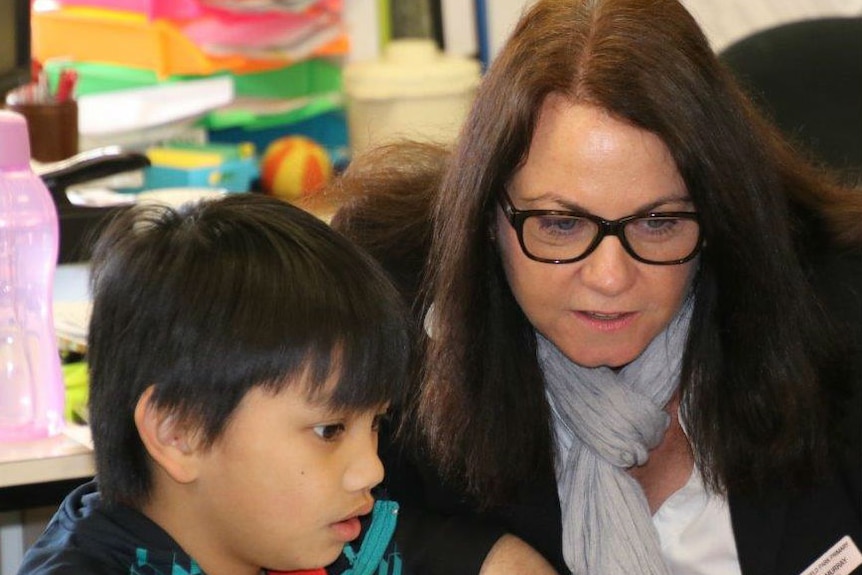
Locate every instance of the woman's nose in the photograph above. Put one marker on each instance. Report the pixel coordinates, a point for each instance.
(609, 270)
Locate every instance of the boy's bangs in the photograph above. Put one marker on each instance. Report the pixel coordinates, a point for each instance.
(293, 314)
(359, 335)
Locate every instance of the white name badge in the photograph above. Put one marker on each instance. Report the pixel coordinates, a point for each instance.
(841, 559)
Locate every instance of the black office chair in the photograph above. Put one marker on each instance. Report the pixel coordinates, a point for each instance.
(807, 76)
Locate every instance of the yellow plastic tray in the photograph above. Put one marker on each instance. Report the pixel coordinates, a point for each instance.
(129, 39)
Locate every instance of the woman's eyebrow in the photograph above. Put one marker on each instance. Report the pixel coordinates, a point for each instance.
(665, 201)
(569, 205)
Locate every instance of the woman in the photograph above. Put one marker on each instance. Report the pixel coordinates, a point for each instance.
(630, 366)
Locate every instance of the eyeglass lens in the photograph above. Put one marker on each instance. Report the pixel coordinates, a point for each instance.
(652, 238)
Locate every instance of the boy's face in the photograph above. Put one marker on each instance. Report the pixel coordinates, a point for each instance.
(285, 484)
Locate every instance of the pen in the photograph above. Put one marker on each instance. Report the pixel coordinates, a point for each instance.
(66, 84)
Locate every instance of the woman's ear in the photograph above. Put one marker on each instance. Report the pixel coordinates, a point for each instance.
(172, 443)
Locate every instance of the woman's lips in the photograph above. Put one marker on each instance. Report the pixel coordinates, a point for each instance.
(606, 321)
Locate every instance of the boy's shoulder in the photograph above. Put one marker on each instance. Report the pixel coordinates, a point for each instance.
(85, 536)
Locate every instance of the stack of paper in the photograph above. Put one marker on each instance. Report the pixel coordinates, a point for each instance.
(71, 321)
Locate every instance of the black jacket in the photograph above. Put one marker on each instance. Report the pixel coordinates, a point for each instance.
(85, 537)
(778, 533)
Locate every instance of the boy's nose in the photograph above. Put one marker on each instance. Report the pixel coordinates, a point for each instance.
(366, 471)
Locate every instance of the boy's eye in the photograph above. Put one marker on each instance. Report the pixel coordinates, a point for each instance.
(329, 431)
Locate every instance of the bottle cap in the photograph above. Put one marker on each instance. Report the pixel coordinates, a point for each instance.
(14, 141)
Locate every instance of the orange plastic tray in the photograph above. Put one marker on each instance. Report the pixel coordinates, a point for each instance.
(131, 39)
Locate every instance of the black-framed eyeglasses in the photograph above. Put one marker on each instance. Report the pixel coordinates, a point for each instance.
(562, 237)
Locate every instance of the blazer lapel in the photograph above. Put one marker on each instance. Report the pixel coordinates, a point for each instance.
(758, 526)
(783, 533)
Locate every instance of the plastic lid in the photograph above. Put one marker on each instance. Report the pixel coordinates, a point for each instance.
(410, 68)
(14, 141)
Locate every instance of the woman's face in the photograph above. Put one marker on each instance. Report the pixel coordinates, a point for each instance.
(605, 309)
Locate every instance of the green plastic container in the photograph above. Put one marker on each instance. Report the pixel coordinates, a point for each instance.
(304, 78)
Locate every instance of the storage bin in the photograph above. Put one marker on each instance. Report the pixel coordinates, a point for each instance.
(328, 128)
(96, 78)
(125, 38)
(152, 9)
(232, 168)
(412, 91)
(130, 39)
(172, 9)
(294, 80)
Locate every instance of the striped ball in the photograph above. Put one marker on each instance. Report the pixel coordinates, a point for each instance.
(294, 166)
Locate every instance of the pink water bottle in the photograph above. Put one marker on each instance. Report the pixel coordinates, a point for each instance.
(31, 386)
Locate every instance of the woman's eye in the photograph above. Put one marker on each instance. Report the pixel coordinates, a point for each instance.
(330, 431)
(656, 226)
(556, 223)
(564, 226)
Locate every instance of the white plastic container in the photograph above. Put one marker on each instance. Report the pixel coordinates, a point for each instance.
(413, 91)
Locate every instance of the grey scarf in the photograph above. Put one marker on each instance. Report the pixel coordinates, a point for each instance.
(612, 420)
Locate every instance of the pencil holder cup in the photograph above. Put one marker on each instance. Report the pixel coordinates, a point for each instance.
(53, 127)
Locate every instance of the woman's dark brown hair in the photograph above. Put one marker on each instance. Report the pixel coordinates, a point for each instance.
(756, 351)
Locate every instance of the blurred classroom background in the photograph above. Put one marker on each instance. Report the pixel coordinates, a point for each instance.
(206, 88)
(227, 96)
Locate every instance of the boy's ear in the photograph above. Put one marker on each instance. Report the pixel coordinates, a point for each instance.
(171, 443)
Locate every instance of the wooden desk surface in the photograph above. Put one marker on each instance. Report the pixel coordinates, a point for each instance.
(68, 455)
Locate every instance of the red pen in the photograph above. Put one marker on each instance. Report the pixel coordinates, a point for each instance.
(66, 84)
(35, 70)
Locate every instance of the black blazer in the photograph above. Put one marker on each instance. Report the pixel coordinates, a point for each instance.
(777, 534)
(785, 535)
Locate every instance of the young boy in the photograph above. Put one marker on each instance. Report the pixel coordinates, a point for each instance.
(241, 357)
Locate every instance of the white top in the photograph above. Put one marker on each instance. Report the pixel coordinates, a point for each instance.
(695, 532)
(693, 527)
